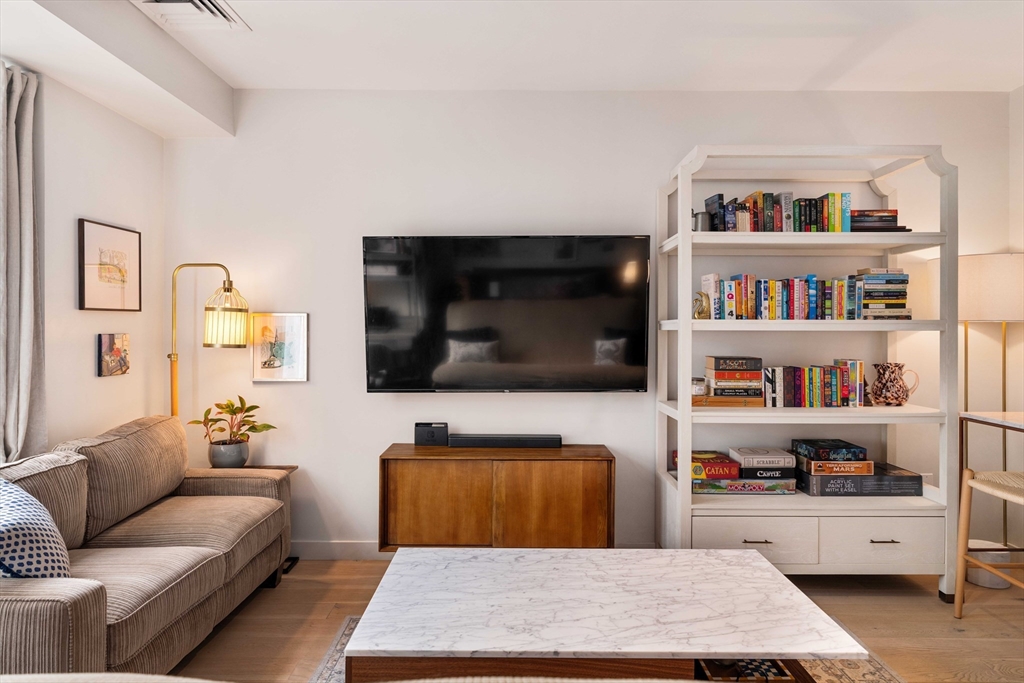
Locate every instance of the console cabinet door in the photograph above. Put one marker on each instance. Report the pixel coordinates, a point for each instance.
(438, 502)
(551, 504)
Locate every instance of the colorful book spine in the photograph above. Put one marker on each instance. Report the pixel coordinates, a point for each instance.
(786, 202)
(730, 217)
(729, 300)
(846, 204)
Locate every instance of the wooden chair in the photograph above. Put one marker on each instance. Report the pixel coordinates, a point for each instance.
(1008, 486)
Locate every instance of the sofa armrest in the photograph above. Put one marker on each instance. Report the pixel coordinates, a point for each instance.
(235, 481)
(52, 626)
(238, 481)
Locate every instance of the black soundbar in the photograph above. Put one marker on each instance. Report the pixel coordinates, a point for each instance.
(505, 440)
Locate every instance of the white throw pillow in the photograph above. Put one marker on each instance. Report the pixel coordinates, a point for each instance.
(472, 352)
(610, 352)
(31, 546)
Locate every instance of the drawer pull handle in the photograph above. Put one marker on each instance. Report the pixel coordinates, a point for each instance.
(874, 541)
(760, 542)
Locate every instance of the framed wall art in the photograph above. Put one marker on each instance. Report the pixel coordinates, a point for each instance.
(109, 267)
(280, 347)
(112, 357)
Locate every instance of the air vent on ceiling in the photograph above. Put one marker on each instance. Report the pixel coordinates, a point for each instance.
(192, 15)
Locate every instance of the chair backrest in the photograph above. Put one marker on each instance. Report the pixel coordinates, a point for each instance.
(130, 467)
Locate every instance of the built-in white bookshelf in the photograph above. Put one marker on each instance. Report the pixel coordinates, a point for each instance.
(801, 533)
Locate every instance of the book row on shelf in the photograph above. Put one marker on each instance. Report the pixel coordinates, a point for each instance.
(816, 467)
(743, 382)
(780, 212)
(871, 294)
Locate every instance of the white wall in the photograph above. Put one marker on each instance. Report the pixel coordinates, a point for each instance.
(285, 202)
(1016, 170)
(96, 164)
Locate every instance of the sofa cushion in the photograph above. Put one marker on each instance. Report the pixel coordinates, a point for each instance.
(130, 467)
(58, 481)
(147, 589)
(30, 544)
(238, 526)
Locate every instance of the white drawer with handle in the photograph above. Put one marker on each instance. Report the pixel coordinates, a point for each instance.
(882, 540)
(782, 540)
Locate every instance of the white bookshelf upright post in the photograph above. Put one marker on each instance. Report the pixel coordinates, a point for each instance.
(802, 534)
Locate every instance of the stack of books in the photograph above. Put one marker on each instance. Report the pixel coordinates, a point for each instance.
(833, 467)
(780, 212)
(876, 220)
(840, 385)
(731, 381)
(808, 297)
(743, 470)
(884, 293)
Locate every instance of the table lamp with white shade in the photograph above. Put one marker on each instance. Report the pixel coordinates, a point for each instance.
(991, 289)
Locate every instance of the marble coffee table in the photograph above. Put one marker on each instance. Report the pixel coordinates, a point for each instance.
(571, 613)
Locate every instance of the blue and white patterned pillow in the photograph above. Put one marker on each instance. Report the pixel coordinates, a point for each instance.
(31, 546)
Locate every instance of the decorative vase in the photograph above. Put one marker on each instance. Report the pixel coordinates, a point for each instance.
(889, 389)
(224, 454)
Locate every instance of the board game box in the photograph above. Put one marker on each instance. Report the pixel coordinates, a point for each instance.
(888, 480)
(754, 486)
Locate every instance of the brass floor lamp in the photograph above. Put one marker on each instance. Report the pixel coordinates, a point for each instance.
(991, 289)
(225, 317)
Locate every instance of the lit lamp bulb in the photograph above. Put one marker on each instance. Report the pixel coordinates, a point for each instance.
(225, 319)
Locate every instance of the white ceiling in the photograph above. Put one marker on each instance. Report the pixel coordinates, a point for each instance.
(589, 45)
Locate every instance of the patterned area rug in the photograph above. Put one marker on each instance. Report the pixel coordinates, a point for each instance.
(874, 670)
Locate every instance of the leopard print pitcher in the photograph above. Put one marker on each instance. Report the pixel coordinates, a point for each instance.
(889, 388)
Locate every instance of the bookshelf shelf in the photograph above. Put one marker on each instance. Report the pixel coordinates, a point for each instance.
(871, 175)
(670, 408)
(812, 243)
(669, 246)
(800, 504)
(868, 415)
(817, 325)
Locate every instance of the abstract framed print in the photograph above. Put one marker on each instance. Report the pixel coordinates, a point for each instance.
(113, 355)
(279, 347)
(109, 267)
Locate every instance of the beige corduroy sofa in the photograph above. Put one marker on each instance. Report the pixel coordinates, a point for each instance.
(159, 553)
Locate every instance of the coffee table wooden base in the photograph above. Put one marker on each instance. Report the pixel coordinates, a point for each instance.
(375, 669)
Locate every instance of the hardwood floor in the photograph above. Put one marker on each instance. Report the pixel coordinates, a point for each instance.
(282, 634)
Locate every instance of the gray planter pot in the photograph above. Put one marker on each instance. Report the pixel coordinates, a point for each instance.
(223, 454)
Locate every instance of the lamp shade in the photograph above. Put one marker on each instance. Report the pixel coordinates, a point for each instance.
(991, 288)
(225, 320)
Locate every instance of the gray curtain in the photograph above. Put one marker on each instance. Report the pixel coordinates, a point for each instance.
(21, 304)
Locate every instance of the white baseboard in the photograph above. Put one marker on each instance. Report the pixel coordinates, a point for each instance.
(338, 550)
(362, 550)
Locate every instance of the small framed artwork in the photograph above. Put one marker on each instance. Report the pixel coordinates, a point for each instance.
(109, 267)
(113, 357)
(280, 347)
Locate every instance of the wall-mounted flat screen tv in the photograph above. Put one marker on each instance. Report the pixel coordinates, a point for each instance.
(506, 313)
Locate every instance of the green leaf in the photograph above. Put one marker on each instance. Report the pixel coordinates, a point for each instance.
(241, 402)
(195, 422)
(258, 429)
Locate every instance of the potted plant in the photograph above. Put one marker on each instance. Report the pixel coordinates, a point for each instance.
(239, 422)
